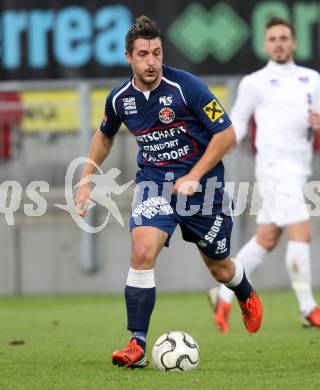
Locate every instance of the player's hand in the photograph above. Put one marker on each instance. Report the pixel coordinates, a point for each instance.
(83, 199)
(314, 119)
(186, 185)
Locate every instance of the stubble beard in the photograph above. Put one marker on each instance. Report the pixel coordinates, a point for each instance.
(285, 60)
(149, 80)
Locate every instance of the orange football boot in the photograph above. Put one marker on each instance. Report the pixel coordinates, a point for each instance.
(221, 310)
(313, 318)
(251, 312)
(221, 315)
(132, 356)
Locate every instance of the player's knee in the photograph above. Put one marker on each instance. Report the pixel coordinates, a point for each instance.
(221, 273)
(301, 235)
(142, 255)
(307, 236)
(268, 243)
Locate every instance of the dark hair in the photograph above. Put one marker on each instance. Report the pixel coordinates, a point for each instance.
(145, 28)
(276, 21)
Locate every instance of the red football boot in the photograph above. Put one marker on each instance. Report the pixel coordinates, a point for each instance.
(313, 318)
(132, 356)
(221, 310)
(251, 312)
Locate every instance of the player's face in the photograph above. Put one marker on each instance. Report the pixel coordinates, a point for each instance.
(146, 61)
(279, 44)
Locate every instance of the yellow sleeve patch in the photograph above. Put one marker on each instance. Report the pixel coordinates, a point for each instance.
(213, 110)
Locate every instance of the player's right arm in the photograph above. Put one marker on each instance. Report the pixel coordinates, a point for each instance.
(99, 149)
(244, 107)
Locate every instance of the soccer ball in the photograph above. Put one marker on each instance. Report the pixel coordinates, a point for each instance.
(176, 351)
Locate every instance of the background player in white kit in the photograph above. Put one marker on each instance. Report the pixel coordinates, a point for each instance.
(285, 101)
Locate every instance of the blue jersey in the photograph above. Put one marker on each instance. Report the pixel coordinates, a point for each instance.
(173, 124)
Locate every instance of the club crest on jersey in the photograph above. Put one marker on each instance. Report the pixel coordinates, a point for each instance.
(165, 100)
(213, 110)
(166, 115)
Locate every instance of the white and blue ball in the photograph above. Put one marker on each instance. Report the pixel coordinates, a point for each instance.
(176, 351)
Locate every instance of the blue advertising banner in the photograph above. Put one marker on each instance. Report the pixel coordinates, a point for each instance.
(85, 39)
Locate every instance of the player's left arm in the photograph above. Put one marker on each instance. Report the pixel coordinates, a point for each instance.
(215, 151)
(211, 115)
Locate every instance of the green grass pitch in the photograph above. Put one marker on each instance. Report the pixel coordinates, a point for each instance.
(66, 342)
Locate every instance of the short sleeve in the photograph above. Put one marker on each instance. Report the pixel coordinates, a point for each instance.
(110, 123)
(206, 106)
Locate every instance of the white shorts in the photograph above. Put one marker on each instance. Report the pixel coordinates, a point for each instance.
(283, 203)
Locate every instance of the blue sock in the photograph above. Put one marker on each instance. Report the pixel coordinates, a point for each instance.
(239, 284)
(243, 290)
(141, 338)
(140, 303)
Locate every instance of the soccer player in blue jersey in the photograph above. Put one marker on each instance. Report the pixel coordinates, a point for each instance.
(182, 133)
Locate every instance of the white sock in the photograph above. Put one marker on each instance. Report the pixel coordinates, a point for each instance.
(238, 274)
(141, 278)
(251, 256)
(298, 266)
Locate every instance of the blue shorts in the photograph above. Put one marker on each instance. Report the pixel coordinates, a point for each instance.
(208, 227)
